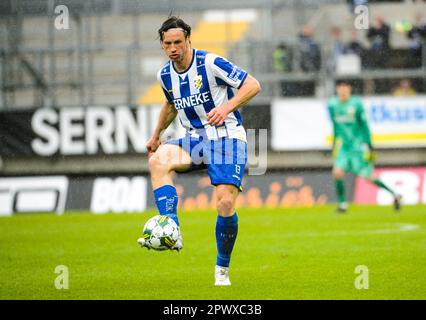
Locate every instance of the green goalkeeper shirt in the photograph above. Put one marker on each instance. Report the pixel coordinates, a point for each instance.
(350, 126)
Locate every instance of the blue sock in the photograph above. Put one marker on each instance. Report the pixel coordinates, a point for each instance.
(166, 199)
(226, 234)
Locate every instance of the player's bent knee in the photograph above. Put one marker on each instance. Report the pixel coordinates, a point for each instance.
(169, 158)
(225, 205)
(338, 174)
(156, 163)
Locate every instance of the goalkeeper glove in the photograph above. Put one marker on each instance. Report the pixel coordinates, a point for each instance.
(370, 155)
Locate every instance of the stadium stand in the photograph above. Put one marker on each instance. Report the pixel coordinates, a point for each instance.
(110, 54)
(95, 62)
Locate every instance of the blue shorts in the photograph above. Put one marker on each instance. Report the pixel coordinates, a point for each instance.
(225, 159)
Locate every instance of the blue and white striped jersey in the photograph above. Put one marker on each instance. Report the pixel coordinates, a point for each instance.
(207, 83)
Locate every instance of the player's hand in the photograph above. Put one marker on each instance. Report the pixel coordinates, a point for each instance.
(337, 146)
(217, 116)
(370, 155)
(334, 152)
(152, 145)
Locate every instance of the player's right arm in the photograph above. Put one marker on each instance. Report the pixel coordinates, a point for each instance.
(167, 115)
(331, 114)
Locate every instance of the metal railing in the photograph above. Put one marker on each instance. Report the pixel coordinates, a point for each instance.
(62, 75)
(36, 70)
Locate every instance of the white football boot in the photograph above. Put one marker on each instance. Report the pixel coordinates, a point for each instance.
(342, 207)
(221, 275)
(177, 246)
(179, 243)
(143, 243)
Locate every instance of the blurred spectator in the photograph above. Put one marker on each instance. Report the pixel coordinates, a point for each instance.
(282, 62)
(282, 58)
(378, 54)
(378, 35)
(404, 89)
(417, 35)
(310, 53)
(337, 48)
(354, 46)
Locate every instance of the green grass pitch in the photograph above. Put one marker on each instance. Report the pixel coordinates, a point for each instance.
(305, 253)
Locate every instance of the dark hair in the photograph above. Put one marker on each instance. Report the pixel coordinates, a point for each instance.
(174, 22)
(343, 82)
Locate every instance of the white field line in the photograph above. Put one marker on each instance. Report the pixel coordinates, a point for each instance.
(399, 228)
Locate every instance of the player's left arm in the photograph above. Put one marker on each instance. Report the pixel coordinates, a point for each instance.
(370, 155)
(249, 88)
(334, 146)
(365, 129)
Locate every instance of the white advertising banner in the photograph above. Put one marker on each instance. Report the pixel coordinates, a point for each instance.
(33, 194)
(304, 124)
(118, 195)
(58, 194)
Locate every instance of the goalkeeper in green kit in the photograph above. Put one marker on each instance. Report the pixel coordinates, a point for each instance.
(352, 147)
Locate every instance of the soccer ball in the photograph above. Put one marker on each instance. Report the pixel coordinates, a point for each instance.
(160, 232)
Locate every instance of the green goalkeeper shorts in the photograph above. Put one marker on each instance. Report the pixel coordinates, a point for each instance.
(356, 162)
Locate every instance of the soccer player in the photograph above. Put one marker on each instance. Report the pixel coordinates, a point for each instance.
(352, 147)
(198, 88)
